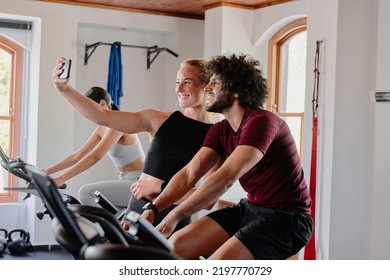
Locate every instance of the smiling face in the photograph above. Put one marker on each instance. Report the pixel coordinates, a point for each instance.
(217, 99)
(189, 87)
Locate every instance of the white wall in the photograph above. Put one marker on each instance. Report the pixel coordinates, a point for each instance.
(351, 174)
(55, 130)
(269, 20)
(380, 227)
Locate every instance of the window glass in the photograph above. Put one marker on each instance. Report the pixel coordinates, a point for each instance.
(294, 74)
(5, 70)
(4, 142)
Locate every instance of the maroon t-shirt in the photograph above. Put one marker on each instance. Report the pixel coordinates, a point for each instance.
(277, 180)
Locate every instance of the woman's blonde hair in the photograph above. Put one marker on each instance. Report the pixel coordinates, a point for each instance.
(200, 64)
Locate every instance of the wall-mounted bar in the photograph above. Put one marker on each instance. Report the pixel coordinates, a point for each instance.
(152, 52)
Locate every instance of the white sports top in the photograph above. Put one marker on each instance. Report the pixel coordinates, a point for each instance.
(123, 154)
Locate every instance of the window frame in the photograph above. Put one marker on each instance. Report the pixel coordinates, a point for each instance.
(16, 79)
(275, 61)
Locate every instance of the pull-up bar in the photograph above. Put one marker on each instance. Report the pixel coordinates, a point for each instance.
(153, 50)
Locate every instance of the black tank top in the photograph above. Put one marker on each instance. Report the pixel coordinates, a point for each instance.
(174, 145)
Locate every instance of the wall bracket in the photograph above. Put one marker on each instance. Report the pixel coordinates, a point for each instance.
(152, 52)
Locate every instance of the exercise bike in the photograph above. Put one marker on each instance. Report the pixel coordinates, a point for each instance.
(15, 166)
(93, 233)
(88, 232)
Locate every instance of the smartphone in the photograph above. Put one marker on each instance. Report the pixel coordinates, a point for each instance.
(66, 69)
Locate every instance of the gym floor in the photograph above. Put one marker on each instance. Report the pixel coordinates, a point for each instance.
(54, 252)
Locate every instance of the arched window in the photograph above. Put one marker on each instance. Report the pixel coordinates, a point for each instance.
(11, 65)
(287, 75)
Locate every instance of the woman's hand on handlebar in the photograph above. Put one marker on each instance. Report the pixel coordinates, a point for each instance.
(146, 188)
(58, 181)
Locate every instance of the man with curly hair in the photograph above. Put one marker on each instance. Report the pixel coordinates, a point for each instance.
(273, 221)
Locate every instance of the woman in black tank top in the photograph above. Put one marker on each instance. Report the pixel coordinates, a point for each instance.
(186, 128)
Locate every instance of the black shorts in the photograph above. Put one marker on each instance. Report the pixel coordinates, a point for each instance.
(269, 234)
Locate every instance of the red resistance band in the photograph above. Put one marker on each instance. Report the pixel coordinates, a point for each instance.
(310, 249)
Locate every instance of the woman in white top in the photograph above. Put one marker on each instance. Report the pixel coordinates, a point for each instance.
(124, 150)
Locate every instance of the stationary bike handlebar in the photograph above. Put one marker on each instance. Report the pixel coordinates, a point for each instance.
(18, 169)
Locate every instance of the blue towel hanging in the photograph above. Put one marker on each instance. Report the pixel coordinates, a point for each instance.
(114, 83)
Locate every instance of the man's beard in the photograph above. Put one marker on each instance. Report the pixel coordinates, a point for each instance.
(224, 101)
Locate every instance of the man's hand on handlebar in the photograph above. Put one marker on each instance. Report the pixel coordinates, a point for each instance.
(148, 215)
(125, 224)
(167, 225)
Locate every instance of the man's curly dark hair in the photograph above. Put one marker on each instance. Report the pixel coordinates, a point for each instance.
(240, 74)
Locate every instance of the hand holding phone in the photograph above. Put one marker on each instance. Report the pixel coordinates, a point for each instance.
(66, 69)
